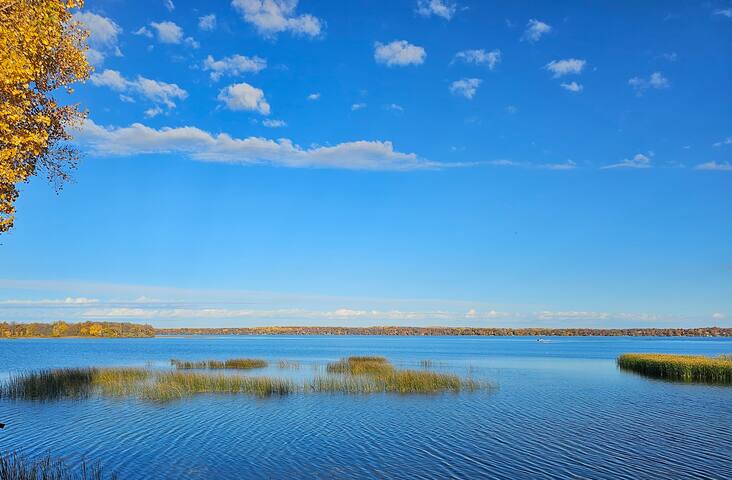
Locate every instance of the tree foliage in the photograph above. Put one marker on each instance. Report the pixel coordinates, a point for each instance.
(41, 51)
(85, 329)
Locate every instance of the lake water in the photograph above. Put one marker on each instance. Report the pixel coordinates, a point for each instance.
(562, 410)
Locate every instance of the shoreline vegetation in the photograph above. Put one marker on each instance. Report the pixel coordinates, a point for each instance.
(457, 331)
(682, 368)
(134, 330)
(71, 330)
(351, 375)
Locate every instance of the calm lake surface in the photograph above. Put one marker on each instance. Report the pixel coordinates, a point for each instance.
(562, 410)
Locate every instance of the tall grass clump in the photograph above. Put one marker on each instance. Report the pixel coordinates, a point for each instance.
(685, 368)
(49, 384)
(16, 467)
(376, 374)
(173, 385)
(233, 363)
(361, 366)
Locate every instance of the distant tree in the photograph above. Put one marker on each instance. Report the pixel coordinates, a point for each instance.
(41, 50)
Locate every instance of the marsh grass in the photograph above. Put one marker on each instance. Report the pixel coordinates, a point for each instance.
(348, 375)
(233, 363)
(361, 366)
(685, 368)
(284, 364)
(173, 385)
(377, 374)
(16, 467)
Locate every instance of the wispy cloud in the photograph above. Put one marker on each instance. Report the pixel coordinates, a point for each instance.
(480, 57)
(656, 81)
(234, 65)
(535, 29)
(572, 87)
(724, 12)
(719, 166)
(399, 53)
(569, 66)
(207, 23)
(465, 87)
(568, 165)
(639, 160)
(46, 302)
(314, 96)
(272, 17)
(358, 106)
(439, 8)
(726, 141)
(153, 90)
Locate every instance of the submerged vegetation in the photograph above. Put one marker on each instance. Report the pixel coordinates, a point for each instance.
(348, 375)
(233, 363)
(16, 467)
(685, 368)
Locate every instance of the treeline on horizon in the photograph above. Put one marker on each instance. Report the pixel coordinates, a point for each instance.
(456, 331)
(84, 329)
(136, 330)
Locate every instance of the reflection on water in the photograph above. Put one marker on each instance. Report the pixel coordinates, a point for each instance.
(563, 410)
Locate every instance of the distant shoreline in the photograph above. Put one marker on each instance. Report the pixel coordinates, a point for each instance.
(134, 330)
(455, 331)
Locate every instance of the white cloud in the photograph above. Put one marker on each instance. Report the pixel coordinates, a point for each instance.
(153, 112)
(656, 81)
(274, 123)
(572, 87)
(440, 8)
(718, 316)
(207, 22)
(480, 57)
(394, 107)
(234, 65)
(512, 109)
(588, 315)
(168, 32)
(638, 161)
(61, 302)
(153, 90)
(398, 53)
(726, 141)
(242, 96)
(721, 166)
(535, 30)
(569, 66)
(169, 5)
(143, 32)
(191, 42)
(103, 36)
(466, 87)
(724, 12)
(670, 56)
(358, 106)
(568, 165)
(197, 144)
(271, 17)
(314, 96)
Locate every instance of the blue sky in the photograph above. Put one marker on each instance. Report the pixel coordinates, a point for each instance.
(403, 162)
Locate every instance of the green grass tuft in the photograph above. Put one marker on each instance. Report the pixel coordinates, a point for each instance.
(16, 467)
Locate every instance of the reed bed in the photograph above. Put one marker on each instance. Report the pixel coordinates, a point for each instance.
(377, 374)
(352, 375)
(233, 364)
(16, 467)
(685, 368)
(361, 366)
(173, 385)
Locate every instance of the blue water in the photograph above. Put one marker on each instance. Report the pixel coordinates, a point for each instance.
(562, 410)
